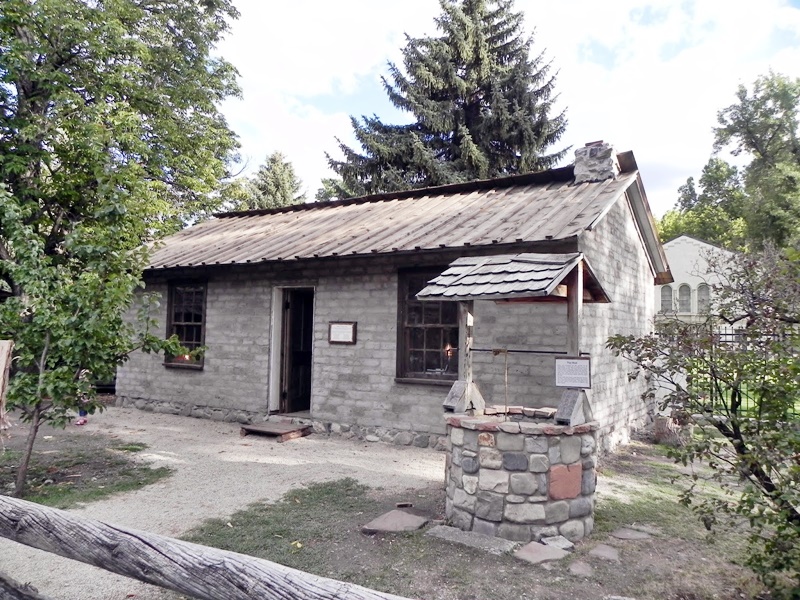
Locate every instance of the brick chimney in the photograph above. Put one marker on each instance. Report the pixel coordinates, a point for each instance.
(596, 161)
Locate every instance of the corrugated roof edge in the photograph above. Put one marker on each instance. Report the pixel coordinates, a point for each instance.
(548, 176)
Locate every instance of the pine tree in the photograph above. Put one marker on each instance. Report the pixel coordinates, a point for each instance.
(274, 185)
(481, 105)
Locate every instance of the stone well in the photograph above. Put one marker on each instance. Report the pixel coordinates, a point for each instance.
(521, 478)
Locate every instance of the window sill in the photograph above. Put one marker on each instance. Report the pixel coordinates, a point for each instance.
(185, 366)
(424, 381)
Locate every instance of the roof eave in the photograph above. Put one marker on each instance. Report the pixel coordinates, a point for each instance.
(532, 246)
(646, 224)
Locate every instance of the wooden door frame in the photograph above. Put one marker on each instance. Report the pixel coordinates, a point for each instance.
(278, 340)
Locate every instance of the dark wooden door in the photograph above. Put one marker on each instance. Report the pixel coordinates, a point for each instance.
(297, 342)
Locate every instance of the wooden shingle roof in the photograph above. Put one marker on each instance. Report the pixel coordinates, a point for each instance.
(506, 276)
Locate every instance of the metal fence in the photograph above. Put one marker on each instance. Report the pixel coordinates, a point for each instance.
(760, 395)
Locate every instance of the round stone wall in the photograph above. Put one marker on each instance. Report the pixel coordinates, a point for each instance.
(521, 480)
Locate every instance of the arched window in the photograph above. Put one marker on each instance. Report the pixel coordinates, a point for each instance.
(703, 298)
(666, 299)
(685, 299)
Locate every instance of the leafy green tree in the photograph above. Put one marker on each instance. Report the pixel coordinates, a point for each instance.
(67, 324)
(715, 213)
(761, 203)
(742, 392)
(708, 223)
(763, 125)
(238, 194)
(482, 107)
(109, 135)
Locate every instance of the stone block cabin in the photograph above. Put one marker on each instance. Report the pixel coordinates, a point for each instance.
(311, 311)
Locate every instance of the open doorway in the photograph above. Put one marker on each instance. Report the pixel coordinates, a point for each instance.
(297, 339)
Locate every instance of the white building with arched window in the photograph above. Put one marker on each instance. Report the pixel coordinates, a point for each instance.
(689, 296)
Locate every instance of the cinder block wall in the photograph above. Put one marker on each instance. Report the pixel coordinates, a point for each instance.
(619, 260)
(350, 384)
(234, 381)
(531, 377)
(356, 384)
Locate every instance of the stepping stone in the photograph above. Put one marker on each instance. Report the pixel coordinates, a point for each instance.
(536, 553)
(605, 552)
(558, 541)
(395, 521)
(487, 543)
(651, 529)
(630, 534)
(581, 569)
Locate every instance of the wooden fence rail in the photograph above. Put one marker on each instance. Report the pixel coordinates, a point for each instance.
(198, 571)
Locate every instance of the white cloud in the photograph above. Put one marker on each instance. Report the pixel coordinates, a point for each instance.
(674, 66)
(291, 52)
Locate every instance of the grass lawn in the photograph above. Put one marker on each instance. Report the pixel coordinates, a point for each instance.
(66, 471)
(317, 529)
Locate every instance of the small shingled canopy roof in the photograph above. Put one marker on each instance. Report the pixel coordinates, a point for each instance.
(512, 277)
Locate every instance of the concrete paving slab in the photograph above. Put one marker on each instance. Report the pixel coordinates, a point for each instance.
(395, 521)
(605, 552)
(487, 543)
(558, 541)
(536, 553)
(624, 533)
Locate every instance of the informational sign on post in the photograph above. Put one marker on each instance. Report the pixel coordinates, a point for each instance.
(574, 372)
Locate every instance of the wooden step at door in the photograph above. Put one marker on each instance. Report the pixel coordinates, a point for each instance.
(281, 431)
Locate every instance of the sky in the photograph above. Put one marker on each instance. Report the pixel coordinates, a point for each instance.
(644, 76)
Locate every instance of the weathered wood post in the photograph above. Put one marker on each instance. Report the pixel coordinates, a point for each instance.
(6, 351)
(8, 587)
(574, 309)
(465, 322)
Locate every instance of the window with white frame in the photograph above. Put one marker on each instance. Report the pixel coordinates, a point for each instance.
(666, 299)
(685, 299)
(703, 298)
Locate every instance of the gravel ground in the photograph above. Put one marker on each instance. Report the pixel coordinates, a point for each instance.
(216, 473)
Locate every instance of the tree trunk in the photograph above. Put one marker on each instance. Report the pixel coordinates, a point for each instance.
(198, 571)
(22, 471)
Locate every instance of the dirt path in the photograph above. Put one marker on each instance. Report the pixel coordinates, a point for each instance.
(216, 473)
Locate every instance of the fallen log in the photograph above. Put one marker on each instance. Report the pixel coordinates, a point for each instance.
(198, 571)
(13, 590)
